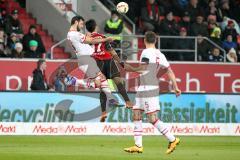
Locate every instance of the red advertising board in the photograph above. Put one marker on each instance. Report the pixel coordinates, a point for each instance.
(191, 77)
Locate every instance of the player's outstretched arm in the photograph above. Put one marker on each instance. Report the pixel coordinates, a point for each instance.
(90, 40)
(172, 78)
(139, 69)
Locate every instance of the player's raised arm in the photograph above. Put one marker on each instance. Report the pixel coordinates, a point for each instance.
(172, 78)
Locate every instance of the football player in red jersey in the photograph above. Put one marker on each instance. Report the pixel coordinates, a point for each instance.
(105, 57)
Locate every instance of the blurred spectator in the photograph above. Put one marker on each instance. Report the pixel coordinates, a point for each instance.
(63, 80)
(182, 3)
(225, 9)
(203, 48)
(33, 52)
(114, 26)
(235, 9)
(12, 40)
(2, 18)
(150, 16)
(227, 21)
(212, 9)
(215, 34)
(215, 56)
(170, 28)
(13, 25)
(194, 9)
(232, 55)
(186, 44)
(33, 35)
(17, 52)
(3, 37)
(211, 19)
(230, 30)
(169, 25)
(186, 21)
(135, 10)
(199, 27)
(39, 77)
(3, 53)
(228, 43)
(173, 5)
(59, 84)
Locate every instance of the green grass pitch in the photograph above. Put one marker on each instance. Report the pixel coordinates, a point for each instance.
(111, 148)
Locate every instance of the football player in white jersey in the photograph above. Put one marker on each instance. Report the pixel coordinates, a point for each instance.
(147, 98)
(81, 45)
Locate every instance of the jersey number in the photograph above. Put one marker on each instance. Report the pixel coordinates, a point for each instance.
(97, 48)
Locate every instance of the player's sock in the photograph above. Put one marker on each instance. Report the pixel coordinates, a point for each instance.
(106, 89)
(85, 83)
(104, 86)
(164, 130)
(138, 133)
(103, 101)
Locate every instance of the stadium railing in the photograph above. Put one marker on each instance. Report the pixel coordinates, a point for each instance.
(130, 46)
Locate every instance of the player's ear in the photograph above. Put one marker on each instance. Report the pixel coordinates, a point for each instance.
(144, 40)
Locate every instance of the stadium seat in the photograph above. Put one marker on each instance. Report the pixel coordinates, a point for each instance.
(27, 20)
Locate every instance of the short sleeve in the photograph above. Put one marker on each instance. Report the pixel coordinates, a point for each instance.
(163, 61)
(144, 57)
(145, 60)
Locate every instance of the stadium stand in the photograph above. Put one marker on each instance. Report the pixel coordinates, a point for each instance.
(218, 19)
(27, 20)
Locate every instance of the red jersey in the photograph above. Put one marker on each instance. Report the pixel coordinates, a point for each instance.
(100, 52)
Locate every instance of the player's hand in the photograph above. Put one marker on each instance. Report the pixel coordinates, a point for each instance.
(109, 39)
(177, 92)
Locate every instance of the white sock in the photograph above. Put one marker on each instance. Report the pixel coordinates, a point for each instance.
(106, 89)
(138, 133)
(164, 130)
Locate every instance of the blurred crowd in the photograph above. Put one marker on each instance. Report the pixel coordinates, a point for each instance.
(216, 19)
(14, 43)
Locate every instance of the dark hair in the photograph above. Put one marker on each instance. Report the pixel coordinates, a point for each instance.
(91, 25)
(32, 26)
(76, 18)
(40, 62)
(150, 37)
(114, 12)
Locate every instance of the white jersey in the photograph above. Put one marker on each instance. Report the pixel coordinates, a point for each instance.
(156, 60)
(76, 38)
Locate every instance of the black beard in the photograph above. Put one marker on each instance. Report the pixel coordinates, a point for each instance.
(78, 29)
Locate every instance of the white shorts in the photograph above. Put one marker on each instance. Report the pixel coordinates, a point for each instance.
(89, 66)
(148, 104)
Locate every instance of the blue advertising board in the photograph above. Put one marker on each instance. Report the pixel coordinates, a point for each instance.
(69, 107)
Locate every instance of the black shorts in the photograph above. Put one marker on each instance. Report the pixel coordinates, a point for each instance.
(109, 68)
